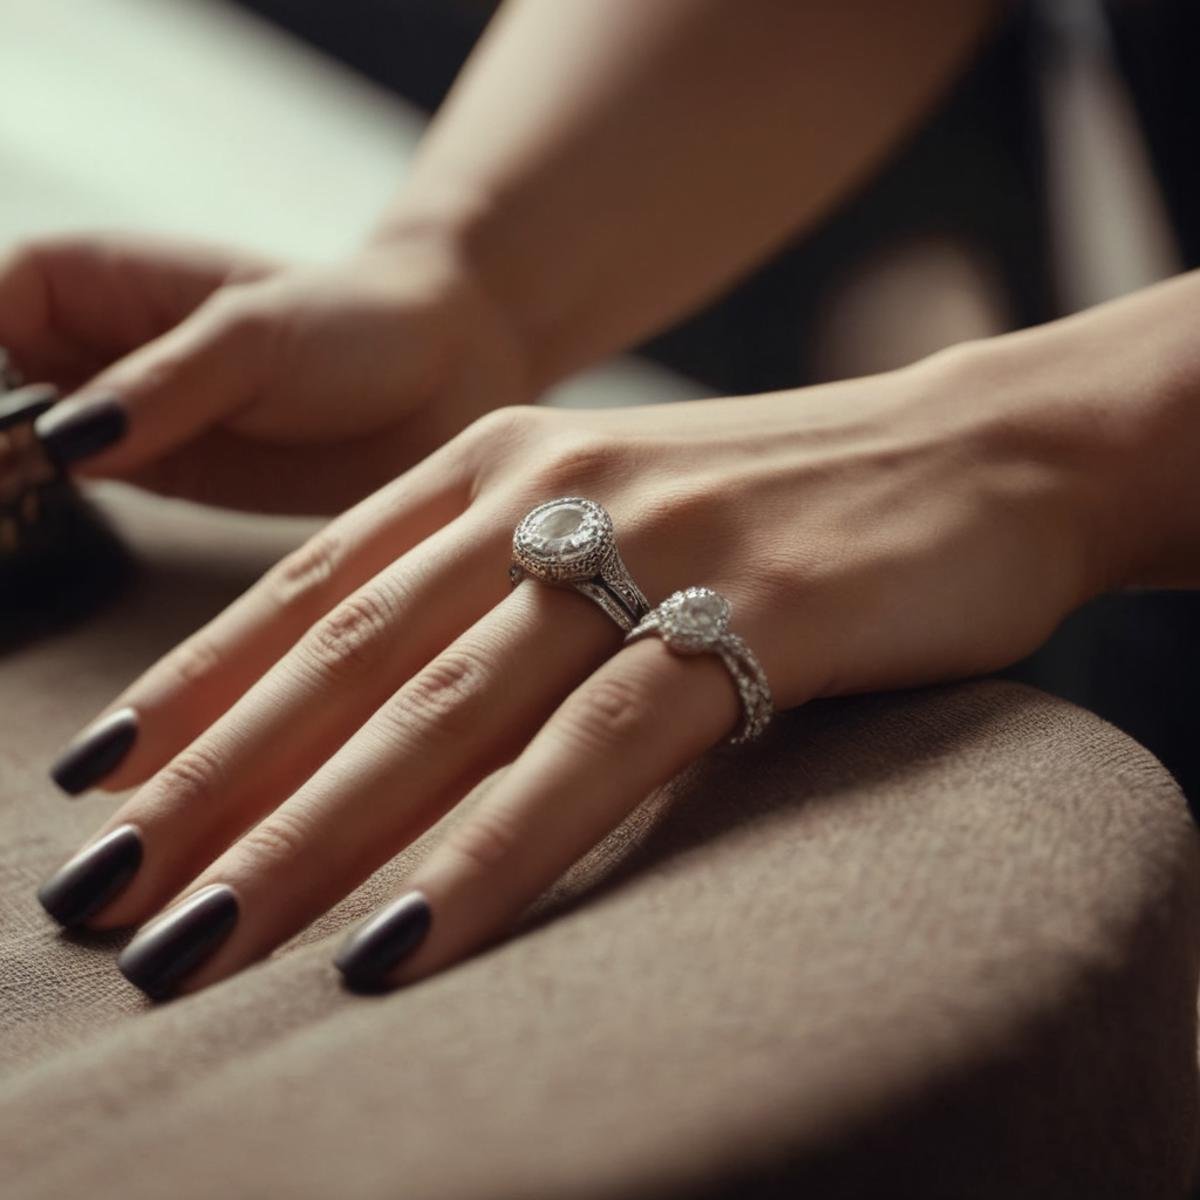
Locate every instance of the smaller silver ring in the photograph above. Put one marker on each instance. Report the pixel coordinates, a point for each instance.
(696, 621)
(570, 542)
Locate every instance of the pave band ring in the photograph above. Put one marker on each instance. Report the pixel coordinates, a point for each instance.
(570, 542)
(696, 621)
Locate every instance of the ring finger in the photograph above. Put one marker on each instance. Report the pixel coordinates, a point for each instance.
(629, 728)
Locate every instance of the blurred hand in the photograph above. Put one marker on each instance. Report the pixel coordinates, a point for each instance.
(871, 534)
(225, 378)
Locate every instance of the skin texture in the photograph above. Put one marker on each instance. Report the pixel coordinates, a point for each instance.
(871, 534)
(234, 371)
(648, 154)
(506, 262)
(933, 522)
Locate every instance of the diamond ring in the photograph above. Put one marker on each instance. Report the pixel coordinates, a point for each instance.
(696, 621)
(570, 542)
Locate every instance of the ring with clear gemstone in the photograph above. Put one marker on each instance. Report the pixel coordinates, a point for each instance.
(696, 621)
(570, 541)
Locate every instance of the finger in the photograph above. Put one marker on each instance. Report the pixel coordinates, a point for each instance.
(467, 712)
(26, 330)
(165, 392)
(296, 717)
(629, 728)
(70, 305)
(179, 697)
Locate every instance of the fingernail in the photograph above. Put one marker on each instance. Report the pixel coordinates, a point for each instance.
(26, 404)
(93, 877)
(379, 944)
(76, 430)
(174, 944)
(96, 752)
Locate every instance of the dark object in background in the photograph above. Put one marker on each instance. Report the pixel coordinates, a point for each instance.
(58, 559)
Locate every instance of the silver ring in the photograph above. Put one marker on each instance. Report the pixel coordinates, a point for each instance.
(570, 542)
(696, 621)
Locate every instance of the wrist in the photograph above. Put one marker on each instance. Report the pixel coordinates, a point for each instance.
(482, 341)
(503, 253)
(1107, 400)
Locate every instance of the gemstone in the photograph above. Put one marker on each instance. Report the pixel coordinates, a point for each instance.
(695, 619)
(560, 529)
(563, 540)
(703, 614)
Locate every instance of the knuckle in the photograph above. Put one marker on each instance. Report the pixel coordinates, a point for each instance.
(346, 642)
(301, 581)
(445, 695)
(576, 459)
(278, 841)
(607, 713)
(192, 778)
(193, 661)
(505, 426)
(493, 439)
(234, 315)
(485, 842)
(245, 320)
(663, 512)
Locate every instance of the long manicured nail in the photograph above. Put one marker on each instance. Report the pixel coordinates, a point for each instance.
(378, 945)
(26, 404)
(83, 886)
(96, 752)
(173, 945)
(76, 430)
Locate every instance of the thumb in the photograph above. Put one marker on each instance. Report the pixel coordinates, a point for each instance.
(163, 394)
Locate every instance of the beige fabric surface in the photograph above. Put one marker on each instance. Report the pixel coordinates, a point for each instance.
(941, 944)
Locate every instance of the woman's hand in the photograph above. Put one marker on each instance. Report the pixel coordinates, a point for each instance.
(224, 378)
(930, 523)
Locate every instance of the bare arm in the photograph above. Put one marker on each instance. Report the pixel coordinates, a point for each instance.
(602, 167)
(609, 164)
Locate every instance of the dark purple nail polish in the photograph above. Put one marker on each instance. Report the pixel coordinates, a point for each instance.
(378, 945)
(174, 944)
(83, 886)
(97, 752)
(75, 430)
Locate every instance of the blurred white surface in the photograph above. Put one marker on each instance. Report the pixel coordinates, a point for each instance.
(1110, 231)
(187, 116)
(190, 116)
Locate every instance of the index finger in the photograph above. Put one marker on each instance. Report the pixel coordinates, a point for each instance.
(179, 697)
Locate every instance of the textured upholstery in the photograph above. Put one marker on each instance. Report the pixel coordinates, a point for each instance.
(941, 943)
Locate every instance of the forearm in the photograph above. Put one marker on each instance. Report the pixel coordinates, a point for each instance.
(1111, 398)
(606, 165)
